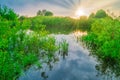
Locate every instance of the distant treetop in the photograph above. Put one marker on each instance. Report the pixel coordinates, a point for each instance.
(100, 14)
(44, 13)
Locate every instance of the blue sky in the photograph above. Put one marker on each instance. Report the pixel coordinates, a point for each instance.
(61, 7)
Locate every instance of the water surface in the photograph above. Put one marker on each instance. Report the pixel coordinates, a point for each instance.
(78, 65)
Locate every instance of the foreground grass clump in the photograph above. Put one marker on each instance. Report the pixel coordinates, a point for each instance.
(105, 38)
(22, 49)
(22, 43)
(63, 45)
(104, 41)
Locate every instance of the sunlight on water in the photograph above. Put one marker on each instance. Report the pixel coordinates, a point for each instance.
(79, 33)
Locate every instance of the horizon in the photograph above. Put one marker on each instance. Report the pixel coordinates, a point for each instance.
(69, 8)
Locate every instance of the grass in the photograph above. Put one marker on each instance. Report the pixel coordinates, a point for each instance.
(20, 49)
(64, 48)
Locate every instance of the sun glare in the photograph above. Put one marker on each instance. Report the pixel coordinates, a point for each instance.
(79, 12)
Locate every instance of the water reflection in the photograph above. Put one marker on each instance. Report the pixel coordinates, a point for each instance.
(76, 65)
(79, 34)
(109, 70)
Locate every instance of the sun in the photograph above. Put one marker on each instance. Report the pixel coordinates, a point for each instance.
(80, 12)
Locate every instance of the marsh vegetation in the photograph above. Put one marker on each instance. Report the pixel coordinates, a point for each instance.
(26, 41)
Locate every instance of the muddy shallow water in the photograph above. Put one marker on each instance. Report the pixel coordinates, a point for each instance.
(78, 65)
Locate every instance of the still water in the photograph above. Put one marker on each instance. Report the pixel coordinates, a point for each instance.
(77, 65)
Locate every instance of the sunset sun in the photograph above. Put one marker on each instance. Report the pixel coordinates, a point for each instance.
(79, 12)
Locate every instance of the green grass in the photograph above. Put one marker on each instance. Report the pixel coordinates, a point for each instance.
(104, 41)
(21, 47)
(63, 45)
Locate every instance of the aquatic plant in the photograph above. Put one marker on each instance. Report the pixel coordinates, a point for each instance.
(64, 47)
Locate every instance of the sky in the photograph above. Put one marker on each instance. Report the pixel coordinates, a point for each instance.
(62, 7)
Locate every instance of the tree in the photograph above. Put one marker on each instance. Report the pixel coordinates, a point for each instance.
(100, 14)
(48, 13)
(44, 13)
(39, 12)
